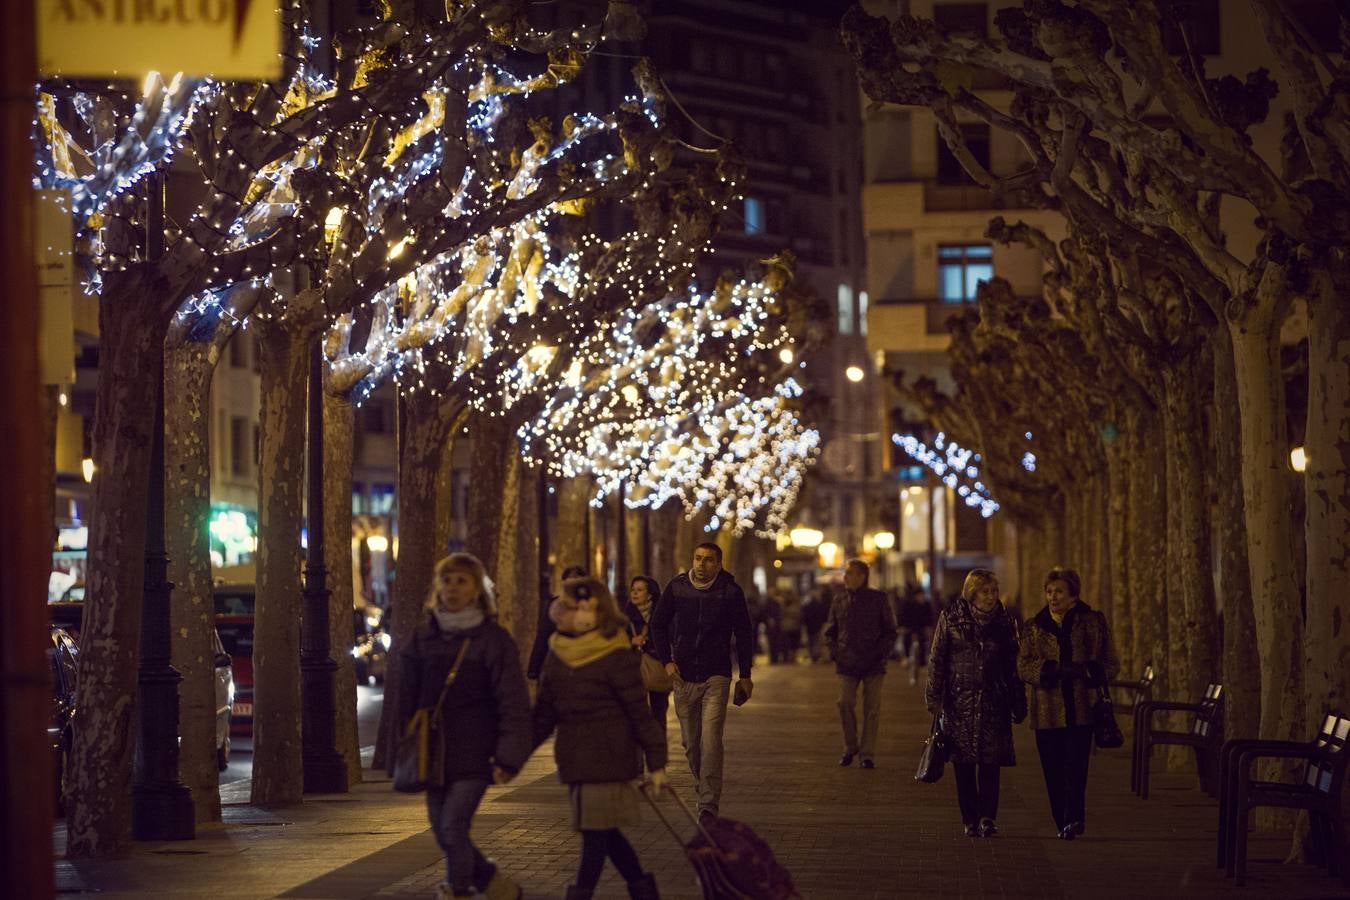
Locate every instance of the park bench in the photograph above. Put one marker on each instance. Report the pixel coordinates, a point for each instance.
(1318, 791)
(1141, 690)
(1205, 736)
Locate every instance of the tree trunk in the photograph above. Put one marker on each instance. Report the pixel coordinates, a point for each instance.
(1147, 524)
(187, 497)
(284, 363)
(493, 448)
(520, 608)
(1270, 553)
(423, 433)
(338, 460)
(1118, 555)
(1327, 486)
(1241, 662)
(569, 538)
(131, 354)
(445, 476)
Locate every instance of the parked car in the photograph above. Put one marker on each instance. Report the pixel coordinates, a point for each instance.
(224, 701)
(370, 645)
(68, 615)
(235, 604)
(62, 655)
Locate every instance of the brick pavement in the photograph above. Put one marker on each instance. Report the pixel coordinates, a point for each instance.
(843, 833)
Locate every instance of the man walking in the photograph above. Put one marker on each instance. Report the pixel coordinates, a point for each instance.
(861, 633)
(700, 614)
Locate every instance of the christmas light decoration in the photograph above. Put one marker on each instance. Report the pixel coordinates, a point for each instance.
(955, 465)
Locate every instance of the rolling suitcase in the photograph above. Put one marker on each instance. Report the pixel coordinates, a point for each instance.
(730, 860)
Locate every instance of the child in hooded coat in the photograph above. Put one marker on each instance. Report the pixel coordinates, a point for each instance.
(591, 692)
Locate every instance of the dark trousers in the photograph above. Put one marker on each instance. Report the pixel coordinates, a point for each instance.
(596, 846)
(1064, 760)
(659, 701)
(451, 810)
(976, 791)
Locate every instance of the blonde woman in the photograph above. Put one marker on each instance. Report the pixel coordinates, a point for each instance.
(591, 692)
(487, 703)
(973, 684)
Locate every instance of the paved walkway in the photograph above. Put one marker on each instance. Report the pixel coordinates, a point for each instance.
(844, 834)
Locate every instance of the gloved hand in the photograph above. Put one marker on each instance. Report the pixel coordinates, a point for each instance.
(744, 688)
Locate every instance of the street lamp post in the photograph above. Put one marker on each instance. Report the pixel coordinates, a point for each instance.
(325, 769)
(161, 805)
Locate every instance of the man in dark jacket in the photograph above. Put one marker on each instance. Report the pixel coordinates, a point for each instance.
(700, 614)
(861, 633)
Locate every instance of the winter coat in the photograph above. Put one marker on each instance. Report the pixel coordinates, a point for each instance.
(539, 652)
(972, 681)
(485, 717)
(861, 632)
(1066, 664)
(602, 718)
(696, 628)
(637, 624)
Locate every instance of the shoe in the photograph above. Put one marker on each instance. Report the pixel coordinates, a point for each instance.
(868, 764)
(846, 759)
(578, 893)
(1067, 833)
(988, 828)
(972, 830)
(644, 888)
(1077, 827)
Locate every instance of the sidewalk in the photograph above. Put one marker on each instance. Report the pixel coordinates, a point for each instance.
(842, 833)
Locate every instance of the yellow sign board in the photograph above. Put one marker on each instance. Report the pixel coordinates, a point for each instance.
(226, 39)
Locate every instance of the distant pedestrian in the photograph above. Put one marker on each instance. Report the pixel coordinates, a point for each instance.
(485, 711)
(973, 685)
(916, 617)
(699, 619)
(642, 595)
(790, 628)
(1066, 655)
(860, 632)
(590, 691)
(815, 613)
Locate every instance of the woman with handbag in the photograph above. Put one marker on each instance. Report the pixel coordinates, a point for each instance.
(973, 687)
(591, 692)
(1067, 657)
(460, 675)
(642, 596)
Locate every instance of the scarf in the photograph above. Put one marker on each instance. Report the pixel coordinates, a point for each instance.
(644, 609)
(467, 618)
(701, 585)
(578, 650)
(983, 618)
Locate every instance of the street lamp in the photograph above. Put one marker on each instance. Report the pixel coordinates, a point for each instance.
(884, 540)
(806, 538)
(87, 467)
(786, 356)
(377, 543)
(1298, 459)
(829, 554)
(854, 374)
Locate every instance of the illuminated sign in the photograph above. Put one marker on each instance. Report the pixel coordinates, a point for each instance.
(226, 39)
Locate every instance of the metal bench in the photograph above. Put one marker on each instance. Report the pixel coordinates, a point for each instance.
(1204, 736)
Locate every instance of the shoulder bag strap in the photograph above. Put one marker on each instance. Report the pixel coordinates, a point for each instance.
(450, 679)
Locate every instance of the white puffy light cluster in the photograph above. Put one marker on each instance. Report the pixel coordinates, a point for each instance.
(955, 465)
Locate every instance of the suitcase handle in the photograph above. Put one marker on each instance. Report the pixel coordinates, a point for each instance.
(648, 791)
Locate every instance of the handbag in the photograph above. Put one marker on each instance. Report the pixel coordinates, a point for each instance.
(414, 767)
(936, 750)
(654, 676)
(1105, 732)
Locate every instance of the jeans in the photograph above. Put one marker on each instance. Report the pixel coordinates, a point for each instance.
(451, 810)
(702, 710)
(1064, 761)
(848, 712)
(976, 791)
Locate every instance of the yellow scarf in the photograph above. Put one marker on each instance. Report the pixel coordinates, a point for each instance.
(578, 650)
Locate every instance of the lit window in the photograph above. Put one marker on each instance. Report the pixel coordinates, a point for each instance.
(754, 215)
(862, 312)
(961, 267)
(845, 309)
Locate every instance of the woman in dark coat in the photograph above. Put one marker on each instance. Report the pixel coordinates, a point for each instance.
(484, 714)
(642, 596)
(1066, 656)
(973, 685)
(590, 690)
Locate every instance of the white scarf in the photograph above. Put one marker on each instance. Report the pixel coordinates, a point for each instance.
(467, 618)
(702, 585)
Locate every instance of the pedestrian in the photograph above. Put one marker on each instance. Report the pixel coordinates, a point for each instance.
(860, 632)
(773, 627)
(590, 691)
(1066, 655)
(918, 614)
(973, 686)
(488, 704)
(642, 594)
(790, 627)
(700, 617)
(544, 630)
(815, 613)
